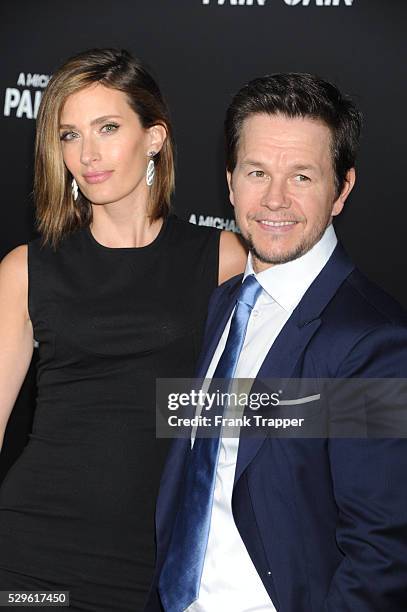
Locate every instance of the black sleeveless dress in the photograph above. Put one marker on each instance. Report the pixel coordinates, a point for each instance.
(77, 507)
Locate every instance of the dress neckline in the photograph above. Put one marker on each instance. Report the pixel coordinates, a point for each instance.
(147, 247)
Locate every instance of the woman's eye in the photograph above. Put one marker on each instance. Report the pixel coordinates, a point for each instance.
(66, 136)
(109, 127)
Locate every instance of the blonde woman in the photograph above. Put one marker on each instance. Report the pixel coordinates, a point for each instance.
(115, 291)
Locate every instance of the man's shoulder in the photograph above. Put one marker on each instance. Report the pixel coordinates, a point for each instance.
(363, 331)
(231, 284)
(221, 297)
(227, 289)
(362, 301)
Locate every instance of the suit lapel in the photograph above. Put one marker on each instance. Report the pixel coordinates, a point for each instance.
(280, 362)
(217, 324)
(293, 339)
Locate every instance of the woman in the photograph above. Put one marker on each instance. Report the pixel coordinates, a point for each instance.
(115, 292)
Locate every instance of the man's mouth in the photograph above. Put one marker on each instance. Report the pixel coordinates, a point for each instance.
(277, 223)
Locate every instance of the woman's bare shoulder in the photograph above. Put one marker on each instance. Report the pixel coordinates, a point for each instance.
(232, 256)
(14, 274)
(15, 263)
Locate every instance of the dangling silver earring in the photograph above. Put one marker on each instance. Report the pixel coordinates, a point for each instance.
(150, 169)
(75, 190)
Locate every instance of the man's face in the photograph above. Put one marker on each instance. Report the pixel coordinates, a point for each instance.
(283, 186)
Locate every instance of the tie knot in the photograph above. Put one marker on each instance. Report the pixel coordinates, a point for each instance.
(249, 291)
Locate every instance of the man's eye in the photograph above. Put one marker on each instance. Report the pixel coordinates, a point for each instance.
(257, 173)
(110, 127)
(301, 178)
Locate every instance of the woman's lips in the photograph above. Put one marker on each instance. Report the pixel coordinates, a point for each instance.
(97, 177)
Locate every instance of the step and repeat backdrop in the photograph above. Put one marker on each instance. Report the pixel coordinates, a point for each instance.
(201, 52)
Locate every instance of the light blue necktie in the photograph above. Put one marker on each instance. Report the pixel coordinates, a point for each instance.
(182, 569)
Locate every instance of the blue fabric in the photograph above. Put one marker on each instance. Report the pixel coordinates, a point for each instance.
(181, 574)
(324, 521)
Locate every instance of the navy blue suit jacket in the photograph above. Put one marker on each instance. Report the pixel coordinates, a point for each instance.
(324, 520)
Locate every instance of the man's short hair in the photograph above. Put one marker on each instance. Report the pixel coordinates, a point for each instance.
(298, 95)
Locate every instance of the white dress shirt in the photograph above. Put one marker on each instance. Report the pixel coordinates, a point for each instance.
(229, 578)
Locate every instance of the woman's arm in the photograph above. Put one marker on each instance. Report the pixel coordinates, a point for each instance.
(16, 333)
(232, 256)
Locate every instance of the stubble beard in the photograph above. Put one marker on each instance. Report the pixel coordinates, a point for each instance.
(305, 245)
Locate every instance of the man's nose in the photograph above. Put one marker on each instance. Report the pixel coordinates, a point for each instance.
(276, 195)
(90, 151)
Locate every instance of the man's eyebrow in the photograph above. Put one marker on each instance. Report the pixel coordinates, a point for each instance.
(304, 166)
(96, 121)
(251, 162)
(296, 166)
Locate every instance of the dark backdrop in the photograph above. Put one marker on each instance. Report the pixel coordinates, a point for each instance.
(201, 52)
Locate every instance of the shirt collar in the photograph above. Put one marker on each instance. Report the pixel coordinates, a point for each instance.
(286, 283)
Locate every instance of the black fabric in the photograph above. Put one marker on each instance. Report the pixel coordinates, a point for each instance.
(77, 507)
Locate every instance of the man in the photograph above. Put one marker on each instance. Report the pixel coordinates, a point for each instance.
(292, 525)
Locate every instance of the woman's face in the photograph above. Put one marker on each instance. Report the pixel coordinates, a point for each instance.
(105, 147)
